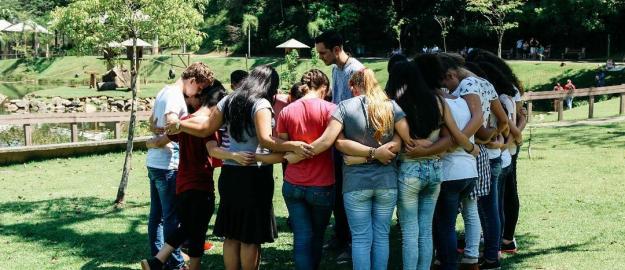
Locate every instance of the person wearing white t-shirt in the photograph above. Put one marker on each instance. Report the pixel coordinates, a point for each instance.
(482, 100)
(162, 156)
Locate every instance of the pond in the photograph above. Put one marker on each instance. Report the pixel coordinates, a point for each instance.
(20, 89)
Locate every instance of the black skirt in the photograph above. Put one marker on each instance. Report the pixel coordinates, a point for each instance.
(245, 209)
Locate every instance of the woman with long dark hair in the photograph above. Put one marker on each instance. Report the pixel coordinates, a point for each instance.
(483, 101)
(245, 215)
(510, 192)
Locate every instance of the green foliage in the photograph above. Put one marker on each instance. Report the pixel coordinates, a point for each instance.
(496, 12)
(92, 24)
(289, 75)
(314, 57)
(217, 43)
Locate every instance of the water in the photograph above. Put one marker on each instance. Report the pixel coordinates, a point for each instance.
(19, 90)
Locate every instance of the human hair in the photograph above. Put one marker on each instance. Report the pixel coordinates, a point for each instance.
(262, 83)
(431, 68)
(418, 100)
(395, 58)
(449, 63)
(379, 109)
(497, 79)
(237, 76)
(211, 95)
(313, 80)
(295, 93)
(198, 71)
(476, 69)
(330, 39)
(481, 55)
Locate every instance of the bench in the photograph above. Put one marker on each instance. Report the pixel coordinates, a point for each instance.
(581, 53)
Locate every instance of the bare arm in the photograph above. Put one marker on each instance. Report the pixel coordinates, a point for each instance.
(262, 121)
(502, 118)
(440, 146)
(459, 137)
(157, 141)
(199, 129)
(477, 116)
(243, 158)
(328, 137)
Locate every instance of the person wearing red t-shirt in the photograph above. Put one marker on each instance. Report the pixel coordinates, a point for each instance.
(195, 191)
(569, 87)
(308, 188)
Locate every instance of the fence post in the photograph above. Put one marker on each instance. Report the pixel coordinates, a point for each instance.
(591, 106)
(118, 130)
(529, 111)
(560, 109)
(74, 132)
(28, 135)
(621, 110)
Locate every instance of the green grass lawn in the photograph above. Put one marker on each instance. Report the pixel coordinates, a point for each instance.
(58, 214)
(608, 108)
(72, 70)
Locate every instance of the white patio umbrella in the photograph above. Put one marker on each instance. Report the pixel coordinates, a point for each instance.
(4, 24)
(27, 27)
(140, 43)
(293, 44)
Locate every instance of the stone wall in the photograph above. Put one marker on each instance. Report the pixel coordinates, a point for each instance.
(71, 105)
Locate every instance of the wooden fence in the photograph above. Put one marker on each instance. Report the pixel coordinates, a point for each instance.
(584, 92)
(28, 121)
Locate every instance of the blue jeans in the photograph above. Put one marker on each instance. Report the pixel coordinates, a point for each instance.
(472, 228)
(419, 185)
(451, 194)
(163, 220)
(369, 214)
(488, 207)
(309, 210)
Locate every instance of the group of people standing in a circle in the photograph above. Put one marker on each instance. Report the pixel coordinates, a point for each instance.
(441, 138)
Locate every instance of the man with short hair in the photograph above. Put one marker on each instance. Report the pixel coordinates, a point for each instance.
(162, 157)
(329, 45)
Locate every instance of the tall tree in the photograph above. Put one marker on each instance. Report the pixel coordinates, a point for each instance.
(497, 14)
(249, 22)
(445, 22)
(91, 24)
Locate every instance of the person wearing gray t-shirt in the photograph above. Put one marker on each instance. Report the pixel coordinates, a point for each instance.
(329, 45)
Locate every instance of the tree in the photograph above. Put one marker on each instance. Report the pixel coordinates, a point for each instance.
(396, 25)
(249, 22)
(445, 22)
(496, 14)
(92, 24)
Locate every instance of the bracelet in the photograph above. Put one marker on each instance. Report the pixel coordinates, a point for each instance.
(371, 153)
(472, 148)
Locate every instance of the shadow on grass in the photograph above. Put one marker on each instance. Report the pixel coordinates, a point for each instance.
(49, 223)
(529, 240)
(609, 136)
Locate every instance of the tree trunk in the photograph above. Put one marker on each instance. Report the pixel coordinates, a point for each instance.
(500, 41)
(121, 191)
(249, 42)
(444, 44)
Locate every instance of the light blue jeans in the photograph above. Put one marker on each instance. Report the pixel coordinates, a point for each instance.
(369, 214)
(472, 228)
(419, 186)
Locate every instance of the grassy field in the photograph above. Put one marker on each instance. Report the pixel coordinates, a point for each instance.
(58, 214)
(608, 108)
(72, 70)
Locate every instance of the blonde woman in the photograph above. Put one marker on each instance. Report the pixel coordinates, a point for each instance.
(367, 124)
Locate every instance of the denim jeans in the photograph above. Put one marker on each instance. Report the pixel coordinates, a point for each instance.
(369, 214)
(418, 188)
(501, 185)
(488, 207)
(309, 209)
(451, 194)
(162, 219)
(472, 228)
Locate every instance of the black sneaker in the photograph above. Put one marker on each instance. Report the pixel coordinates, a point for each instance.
(345, 256)
(509, 248)
(486, 265)
(151, 264)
